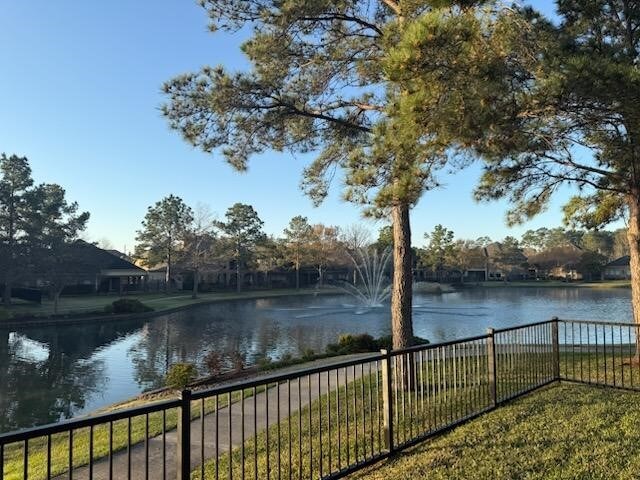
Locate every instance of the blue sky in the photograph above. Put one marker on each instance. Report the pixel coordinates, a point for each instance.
(79, 96)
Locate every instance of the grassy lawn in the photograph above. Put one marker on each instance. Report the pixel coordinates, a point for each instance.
(563, 432)
(13, 454)
(87, 304)
(553, 284)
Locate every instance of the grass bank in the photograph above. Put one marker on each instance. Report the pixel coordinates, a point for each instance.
(563, 432)
(607, 284)
(89, 305)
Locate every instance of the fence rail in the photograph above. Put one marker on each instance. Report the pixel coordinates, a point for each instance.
(328, 421)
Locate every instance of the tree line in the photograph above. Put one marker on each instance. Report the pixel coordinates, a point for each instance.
(587, 251)
(174, 235)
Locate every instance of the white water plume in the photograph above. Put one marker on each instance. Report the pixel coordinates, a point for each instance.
(374, 287)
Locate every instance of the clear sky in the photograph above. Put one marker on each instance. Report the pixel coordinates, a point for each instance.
(79, 96)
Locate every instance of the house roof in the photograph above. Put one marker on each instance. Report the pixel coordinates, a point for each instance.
(102, 259)
(619, 262)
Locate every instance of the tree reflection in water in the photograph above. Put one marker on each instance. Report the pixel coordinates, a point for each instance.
(67, 379)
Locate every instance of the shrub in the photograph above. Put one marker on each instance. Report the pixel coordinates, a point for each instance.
(237, 360)
(265, 363)
(127, 305)
(364, 343)
(353, 344)
(286, 358)
(386, 342)
(213, 363)
(180, 375)
(308, 354)
(4, 314)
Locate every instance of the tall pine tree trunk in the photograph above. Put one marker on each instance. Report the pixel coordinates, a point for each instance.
(297, 277)
(401, 301)
(633, 236)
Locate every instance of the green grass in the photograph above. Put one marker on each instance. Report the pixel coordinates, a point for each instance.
(89, 304)
(60, 442)
(562, 432)
(447, 390)
(441, 397)
(605, 284)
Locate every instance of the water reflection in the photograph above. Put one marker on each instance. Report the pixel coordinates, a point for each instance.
(50, 373)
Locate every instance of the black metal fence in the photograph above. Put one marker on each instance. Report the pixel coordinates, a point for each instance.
(328, 421)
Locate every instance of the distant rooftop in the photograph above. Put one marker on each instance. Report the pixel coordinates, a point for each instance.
(619, 262)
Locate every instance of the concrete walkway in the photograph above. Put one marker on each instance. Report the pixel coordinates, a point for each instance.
(229, 419)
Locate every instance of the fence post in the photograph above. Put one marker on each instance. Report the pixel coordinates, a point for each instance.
(387, 401)
(183, 439)
(491, 364)
(555, 342)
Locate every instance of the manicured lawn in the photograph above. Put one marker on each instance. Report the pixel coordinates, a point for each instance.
(562, 432)
(553, 284)
(13, 454)
(87, 304)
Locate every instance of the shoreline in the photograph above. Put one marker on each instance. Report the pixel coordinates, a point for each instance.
(602, 285)
(79, 319)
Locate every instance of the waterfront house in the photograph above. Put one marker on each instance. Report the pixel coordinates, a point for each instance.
(618, 269)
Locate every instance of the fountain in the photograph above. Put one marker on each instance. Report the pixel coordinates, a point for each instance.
(371, 267)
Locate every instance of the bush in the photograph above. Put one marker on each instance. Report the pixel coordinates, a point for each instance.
(265, 363)
(4, 314)
(213, 363)
(387, 342)
(237, 360)
(308, 355)
(180, 375)
(363, 343)
(353, 344)
(286, 358)
(127, 305)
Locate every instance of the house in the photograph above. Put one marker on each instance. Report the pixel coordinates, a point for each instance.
(84, 269)
(619, 269)
(105, 271)
(559, 263)
(505, 264)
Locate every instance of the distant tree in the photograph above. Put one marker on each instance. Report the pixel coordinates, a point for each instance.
(15, 214)
(468, 254)
(599, 241)
(105, 244)
(325, 248)
(54, 228)
(163, 232)
(199, 244)
(268, 256)
(620, 243)
(534, 239)
(385, 238)
(355, 236)
(591, 264)
(510, 254)
(297, 243)
(440, 249)
(243, 229)
(556, 237)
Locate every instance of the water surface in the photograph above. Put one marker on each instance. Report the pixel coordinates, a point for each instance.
(50, 373)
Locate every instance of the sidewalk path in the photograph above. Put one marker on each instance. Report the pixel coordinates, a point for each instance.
(255, 416)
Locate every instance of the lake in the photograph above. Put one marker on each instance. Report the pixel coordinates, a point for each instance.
(51, 373)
